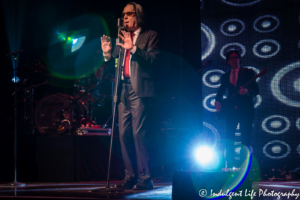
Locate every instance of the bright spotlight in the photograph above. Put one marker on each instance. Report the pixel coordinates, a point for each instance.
(204, 155)
(75, 40)
(15, 79)
(77, 43)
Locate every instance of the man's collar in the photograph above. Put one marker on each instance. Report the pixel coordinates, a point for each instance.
(137, 31)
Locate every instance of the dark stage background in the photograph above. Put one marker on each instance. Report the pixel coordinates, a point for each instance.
(267, 34)
(50, 32)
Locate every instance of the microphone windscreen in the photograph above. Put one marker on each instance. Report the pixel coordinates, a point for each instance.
(120, 22)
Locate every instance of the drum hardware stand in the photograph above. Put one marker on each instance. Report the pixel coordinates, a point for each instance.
(27, 96)
(115, 99)
(15, 183)
(105, 124)
(59, 114)
(32, 87)
(23, 82)
(75, 100)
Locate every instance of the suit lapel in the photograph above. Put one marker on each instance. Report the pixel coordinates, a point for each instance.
(139, 38)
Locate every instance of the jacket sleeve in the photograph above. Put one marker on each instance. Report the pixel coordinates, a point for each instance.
(222, 89)
(150, 55)
(116, 50)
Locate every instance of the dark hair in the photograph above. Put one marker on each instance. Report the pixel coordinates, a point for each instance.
(139, 13)
(231, 51)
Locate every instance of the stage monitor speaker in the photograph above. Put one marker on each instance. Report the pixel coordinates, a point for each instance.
(200, 185)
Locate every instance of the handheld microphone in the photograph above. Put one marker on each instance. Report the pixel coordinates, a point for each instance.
(120, 23)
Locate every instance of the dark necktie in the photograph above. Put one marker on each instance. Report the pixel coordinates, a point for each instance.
(233, 78)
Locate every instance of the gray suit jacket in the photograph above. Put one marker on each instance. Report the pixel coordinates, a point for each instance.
(142, 63)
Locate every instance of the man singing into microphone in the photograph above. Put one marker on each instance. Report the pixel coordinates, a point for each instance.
(139, 54)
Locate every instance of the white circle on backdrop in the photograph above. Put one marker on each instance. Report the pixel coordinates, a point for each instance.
(275, 85)
(238, 4)
(231, 27)
(266, 24)
(214, 131)
(276, 149)
(215, 79)
(258, 101)
(298, 124)
(211, 41)
(277, 123)
(211, 102)
(266, 48)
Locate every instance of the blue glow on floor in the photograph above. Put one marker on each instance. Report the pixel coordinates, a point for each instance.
(160, 193)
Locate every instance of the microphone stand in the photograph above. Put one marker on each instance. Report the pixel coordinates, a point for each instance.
(15, 183)
(117, 80)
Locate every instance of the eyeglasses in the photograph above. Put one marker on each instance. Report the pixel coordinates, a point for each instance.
(128, 14)
(233, 57)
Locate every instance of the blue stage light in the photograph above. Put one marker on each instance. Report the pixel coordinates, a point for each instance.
(77, 43)
(204, 155)
(15, 79)
(75, 40)
(208, 158)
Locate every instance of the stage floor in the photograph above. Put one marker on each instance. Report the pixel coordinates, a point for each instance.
(162, 190)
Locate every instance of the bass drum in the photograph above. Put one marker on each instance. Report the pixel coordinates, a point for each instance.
(49, 118)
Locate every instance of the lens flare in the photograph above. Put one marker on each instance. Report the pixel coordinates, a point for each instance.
(75, 50)
(237, 178)
(77, 43)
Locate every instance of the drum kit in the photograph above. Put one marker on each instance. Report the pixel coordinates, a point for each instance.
(49, 109)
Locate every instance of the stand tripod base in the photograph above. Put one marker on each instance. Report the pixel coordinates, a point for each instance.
(15, 184)
(108, 190)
